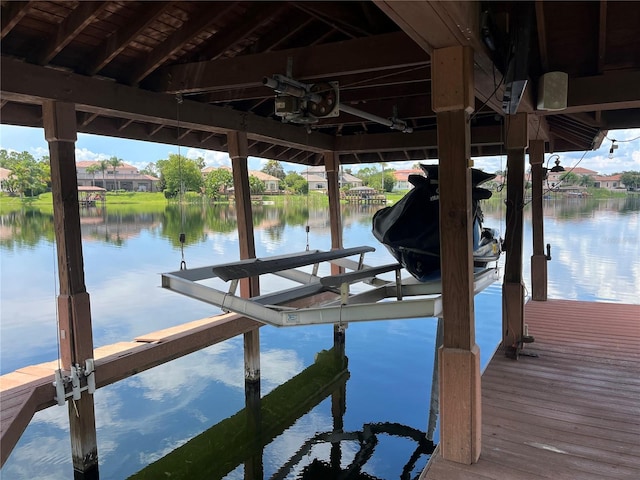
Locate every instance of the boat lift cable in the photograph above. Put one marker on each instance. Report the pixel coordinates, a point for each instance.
(307, 227)
(182, 237)
(55, 299)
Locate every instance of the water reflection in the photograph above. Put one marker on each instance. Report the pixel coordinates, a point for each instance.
(238, 442)
(29, 226)
(143, 419)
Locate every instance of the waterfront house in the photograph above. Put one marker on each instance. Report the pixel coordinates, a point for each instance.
(610, 182)
(554, 178)
(402, 178)
(271, 183)
(316, 178)
(125, 177)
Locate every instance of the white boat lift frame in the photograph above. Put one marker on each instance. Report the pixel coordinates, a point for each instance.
(386, 300)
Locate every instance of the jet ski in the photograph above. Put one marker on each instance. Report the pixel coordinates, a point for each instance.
(410, 229)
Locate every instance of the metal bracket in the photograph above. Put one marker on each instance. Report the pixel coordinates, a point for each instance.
(75, 377)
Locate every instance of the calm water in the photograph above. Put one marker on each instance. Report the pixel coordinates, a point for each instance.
(379, 403)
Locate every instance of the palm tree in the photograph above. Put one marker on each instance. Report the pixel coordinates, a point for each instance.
(103, 166)
(115, 162)
(92, 170)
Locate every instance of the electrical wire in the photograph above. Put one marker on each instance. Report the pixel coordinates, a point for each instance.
(55, 296)
(488, 99)
(182, 236)
(622, 141)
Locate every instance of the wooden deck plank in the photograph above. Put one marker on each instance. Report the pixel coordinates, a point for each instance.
(114, 349)
(15, 415)
(163, 334)
(574, 411)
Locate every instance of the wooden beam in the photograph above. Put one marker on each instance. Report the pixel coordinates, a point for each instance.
(121, 38)
(602, 36)
(295, 21)
(610, 91)
(437, 24)
(384, 141)
(542, 36)
(434, 24)
(32, 84)
(459, 357)
(393, 50)
(256, 15)
(538, 259)
(333, 20)
(12, 13)
(513, 287)
(74, 312)
(74, 24)
(176, 41)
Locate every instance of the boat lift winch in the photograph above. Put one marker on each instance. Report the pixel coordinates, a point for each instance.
(305, 103)
(381, 300)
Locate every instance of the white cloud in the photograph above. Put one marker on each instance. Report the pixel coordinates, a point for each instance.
(84, 155)
(184, 378)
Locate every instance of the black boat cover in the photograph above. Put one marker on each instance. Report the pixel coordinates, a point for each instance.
(410, 229)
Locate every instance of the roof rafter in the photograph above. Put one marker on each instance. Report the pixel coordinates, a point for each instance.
(12, 13)
(393, 51)
(175, 42)
(118, 40)
(75, 23)
(255, 17)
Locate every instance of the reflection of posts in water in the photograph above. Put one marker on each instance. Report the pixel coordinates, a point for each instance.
(434, 404)
(253, 467)
(217, 451)
(338, 409)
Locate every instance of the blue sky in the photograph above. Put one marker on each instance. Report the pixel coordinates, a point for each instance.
(92, 147)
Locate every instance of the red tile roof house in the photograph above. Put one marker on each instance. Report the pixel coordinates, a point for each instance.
(402, 178)
(126, 177)
(553, 178)
(609, 181)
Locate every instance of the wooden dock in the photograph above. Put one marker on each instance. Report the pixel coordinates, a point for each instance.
(573, 412)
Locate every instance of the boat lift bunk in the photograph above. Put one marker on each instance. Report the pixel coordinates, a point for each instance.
(383, 299)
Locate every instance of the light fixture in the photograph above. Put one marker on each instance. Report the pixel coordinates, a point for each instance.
(613, 147)
(558, 167)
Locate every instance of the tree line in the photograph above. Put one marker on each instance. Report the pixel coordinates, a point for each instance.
(178, 174)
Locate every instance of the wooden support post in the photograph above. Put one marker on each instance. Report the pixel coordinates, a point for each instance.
(332, 166)
(538, 259)
(459, 357)
(513, 287)
(74, 311)
(238, 151)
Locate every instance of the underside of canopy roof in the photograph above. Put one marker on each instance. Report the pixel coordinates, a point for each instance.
(186, 73)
